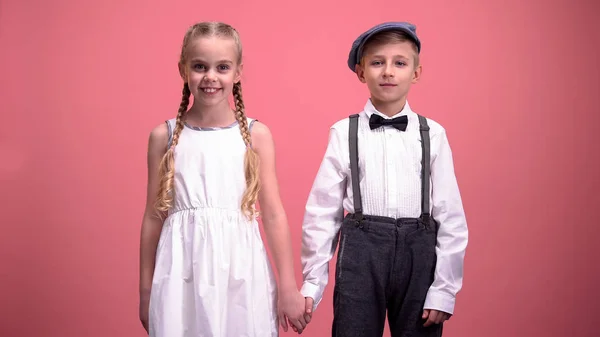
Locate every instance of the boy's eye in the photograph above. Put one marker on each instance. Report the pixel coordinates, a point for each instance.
(223, 67)
(376, 63)
(198, 66)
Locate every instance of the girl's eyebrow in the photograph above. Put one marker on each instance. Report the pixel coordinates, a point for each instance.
(221, 61)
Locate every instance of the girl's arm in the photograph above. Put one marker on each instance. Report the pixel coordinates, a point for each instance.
(151, 223)
(276, 227)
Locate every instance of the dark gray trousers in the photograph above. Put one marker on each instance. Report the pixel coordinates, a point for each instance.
(384, 265)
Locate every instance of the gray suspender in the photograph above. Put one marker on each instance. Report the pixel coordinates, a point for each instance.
(353, 139)
(425, 165)
(425, 162)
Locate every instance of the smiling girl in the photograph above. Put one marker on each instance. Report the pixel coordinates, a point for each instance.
(204, 270)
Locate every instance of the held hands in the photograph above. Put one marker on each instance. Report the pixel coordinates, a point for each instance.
(308, 303)
(291, 309)
(434, 317)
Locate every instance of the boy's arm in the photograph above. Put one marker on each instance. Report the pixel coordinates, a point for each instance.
(452, 237)
(322, 219)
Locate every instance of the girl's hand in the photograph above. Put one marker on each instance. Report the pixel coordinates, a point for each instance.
(291, 308)
(144, 307)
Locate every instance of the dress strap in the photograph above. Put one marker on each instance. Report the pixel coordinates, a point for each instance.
(171, 127)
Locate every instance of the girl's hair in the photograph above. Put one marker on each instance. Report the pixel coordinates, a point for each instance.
(251, 161)
(390, 36)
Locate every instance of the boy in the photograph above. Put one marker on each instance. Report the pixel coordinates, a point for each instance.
(397, 254)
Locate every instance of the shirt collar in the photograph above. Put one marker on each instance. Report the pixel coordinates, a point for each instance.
(370, 109)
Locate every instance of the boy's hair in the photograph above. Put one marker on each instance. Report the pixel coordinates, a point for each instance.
(251, 161)
(389, 36)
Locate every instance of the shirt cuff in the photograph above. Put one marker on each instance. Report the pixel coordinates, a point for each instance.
(311, 290)
(439, 301)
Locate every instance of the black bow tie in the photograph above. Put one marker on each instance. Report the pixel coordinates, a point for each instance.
(399, 123)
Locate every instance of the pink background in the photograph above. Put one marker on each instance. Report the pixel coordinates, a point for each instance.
(82, 83)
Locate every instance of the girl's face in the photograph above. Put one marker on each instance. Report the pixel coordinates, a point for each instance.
(211, 69)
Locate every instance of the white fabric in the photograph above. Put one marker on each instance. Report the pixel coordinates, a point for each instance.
(390, 184)
(212, 276)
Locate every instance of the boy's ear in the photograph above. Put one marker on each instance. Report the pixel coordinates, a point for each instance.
(417, 73)
(360, 73)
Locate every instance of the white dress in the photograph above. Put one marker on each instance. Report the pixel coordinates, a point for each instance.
(212, 276)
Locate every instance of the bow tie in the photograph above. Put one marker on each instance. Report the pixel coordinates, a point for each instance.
(399, 123)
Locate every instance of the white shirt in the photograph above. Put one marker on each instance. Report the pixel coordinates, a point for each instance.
(390, 184)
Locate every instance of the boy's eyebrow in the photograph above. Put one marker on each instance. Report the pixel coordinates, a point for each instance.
(382, 56)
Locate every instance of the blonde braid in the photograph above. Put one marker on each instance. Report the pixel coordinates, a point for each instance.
(251, 160)
(167, 165)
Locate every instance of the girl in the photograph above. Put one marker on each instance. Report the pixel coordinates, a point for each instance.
(204, 268)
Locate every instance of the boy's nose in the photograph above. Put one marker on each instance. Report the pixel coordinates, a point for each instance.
(388, 71)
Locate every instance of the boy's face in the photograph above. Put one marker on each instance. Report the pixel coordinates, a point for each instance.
(389, 70)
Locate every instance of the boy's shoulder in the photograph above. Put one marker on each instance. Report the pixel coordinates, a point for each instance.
(344, 123)
(435, 128)
(341, 127)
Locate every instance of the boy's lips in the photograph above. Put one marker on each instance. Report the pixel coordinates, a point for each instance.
(388, 85)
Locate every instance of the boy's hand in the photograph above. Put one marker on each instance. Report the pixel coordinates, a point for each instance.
(308, 304)
(308, 301)
(434, 317)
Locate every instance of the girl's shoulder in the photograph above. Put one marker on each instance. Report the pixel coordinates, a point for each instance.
(158, 139)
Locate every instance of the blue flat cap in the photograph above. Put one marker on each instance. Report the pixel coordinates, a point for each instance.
(357, 47)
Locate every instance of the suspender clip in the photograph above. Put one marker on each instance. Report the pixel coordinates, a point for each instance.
(359, 217)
